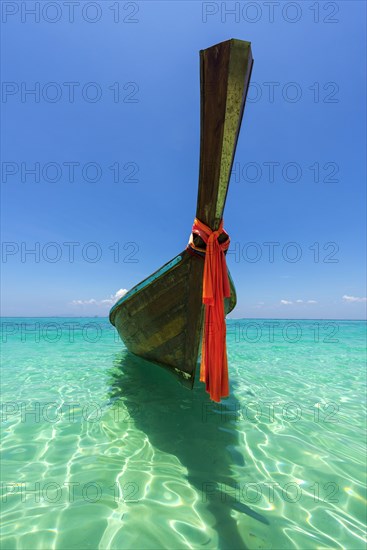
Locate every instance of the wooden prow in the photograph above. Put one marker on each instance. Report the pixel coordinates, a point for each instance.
(225, 71)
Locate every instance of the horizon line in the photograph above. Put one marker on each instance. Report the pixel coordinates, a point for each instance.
(227, 319)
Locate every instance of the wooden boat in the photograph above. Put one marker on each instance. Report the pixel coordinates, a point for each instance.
(161, 318)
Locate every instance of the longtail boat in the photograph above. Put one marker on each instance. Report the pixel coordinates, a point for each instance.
(163, 318)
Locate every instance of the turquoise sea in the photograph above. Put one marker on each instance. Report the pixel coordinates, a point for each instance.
(103, 450)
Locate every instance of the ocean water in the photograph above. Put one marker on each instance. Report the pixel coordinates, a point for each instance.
(103, 450)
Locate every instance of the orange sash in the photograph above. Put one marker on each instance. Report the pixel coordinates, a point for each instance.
(214, 367)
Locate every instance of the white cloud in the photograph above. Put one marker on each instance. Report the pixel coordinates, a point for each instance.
(288, 302)
(120, 293)
(107, 301)
(115, 297)
(83, 302)
(347, 298)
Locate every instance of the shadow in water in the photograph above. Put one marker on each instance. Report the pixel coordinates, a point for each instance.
(200, 433)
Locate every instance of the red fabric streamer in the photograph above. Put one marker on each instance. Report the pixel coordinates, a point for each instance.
(214, 366)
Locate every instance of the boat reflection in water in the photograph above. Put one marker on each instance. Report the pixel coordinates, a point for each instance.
(201, 434)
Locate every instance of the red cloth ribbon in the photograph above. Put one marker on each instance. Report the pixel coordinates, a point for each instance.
(214, 366)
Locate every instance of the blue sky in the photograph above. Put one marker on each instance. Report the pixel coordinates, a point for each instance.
(118, 99)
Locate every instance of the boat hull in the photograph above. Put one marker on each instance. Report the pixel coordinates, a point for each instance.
(161, 318)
